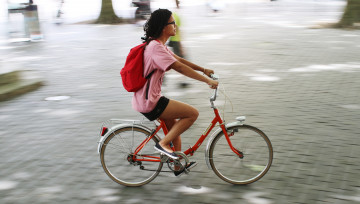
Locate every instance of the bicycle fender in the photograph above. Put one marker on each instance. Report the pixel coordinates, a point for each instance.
(212, 137)
(118, 127)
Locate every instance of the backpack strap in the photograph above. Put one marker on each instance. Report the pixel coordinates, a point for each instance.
(148, 84)
(148, 77)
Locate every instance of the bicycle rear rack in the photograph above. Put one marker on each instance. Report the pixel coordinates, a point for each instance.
(109, 124)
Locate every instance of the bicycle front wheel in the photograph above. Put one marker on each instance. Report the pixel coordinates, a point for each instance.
(117, 159)
(255, 158)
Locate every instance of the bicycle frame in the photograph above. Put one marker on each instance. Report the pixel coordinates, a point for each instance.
(191, 150)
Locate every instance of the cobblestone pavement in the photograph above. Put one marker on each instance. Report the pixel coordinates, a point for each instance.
(299, 85)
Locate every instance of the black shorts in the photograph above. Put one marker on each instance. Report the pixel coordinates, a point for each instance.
(158, 110)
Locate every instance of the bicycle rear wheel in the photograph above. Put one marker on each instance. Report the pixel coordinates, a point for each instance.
(255, 148)
(116, 157)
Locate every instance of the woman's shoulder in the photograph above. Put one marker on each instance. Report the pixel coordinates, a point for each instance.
(155, 46)
(154, 43)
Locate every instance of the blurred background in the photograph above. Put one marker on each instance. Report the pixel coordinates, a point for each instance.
(291, 66)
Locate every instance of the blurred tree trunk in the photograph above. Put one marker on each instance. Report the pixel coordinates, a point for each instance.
(351, 14)
(107, 14)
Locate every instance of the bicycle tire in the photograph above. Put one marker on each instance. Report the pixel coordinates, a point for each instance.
(257, 155)
(115, 152)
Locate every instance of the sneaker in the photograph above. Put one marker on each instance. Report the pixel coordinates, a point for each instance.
(188, 167)
(162, 150)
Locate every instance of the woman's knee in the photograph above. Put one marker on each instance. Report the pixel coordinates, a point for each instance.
(194, 114)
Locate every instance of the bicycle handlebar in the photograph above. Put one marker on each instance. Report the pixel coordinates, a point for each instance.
(214, 76)
(213, 97)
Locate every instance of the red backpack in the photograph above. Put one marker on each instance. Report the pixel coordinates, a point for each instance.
(132, 73)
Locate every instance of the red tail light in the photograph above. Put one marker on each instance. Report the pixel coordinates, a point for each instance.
(104, 131)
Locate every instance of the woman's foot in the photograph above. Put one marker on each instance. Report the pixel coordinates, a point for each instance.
(162, 150)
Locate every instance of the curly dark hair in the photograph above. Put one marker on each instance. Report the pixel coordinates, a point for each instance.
(155, 24)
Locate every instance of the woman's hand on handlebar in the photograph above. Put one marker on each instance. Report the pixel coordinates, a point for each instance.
(208, 72)
(213, 84)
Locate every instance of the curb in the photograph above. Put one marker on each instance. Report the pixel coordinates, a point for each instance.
(15, 83)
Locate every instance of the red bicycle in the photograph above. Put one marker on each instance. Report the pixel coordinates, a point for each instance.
(237, 153)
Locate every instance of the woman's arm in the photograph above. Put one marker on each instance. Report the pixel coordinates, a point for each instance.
(208, 72)
(190, 72)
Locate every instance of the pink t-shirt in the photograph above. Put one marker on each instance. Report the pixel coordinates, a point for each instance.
(159, 58)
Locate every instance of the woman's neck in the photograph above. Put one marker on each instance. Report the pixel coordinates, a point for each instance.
(162, 39)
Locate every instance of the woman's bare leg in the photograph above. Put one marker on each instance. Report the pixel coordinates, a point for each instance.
(177, 141)
(186, 114)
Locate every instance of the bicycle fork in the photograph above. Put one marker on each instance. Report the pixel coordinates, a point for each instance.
(227, 136)
(224, 128)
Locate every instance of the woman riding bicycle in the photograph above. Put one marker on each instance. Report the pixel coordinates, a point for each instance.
(158, 59)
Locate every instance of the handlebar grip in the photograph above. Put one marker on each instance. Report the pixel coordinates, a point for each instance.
(214, 76)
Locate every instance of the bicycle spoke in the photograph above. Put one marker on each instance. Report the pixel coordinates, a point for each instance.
(118, 137)
(116, 147)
